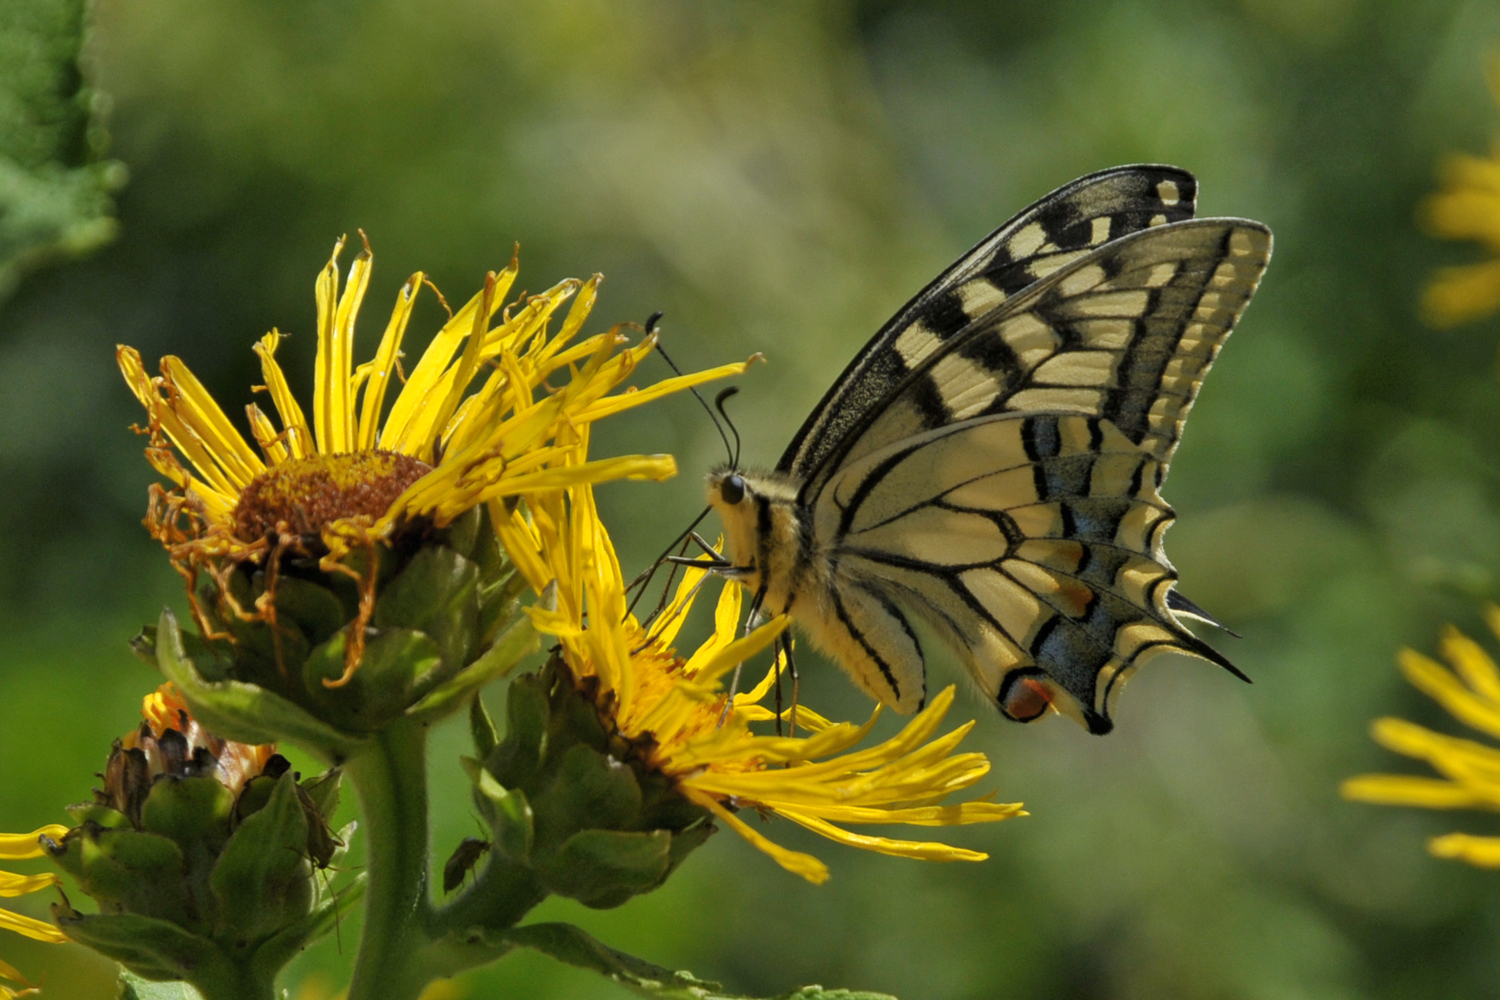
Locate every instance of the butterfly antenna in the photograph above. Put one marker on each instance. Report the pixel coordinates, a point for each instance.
(733, 454)
(724, 394)
(644, 579)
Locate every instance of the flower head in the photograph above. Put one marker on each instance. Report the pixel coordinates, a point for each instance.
(477, 419)
(200, 852)
(1466, 208)
(678, 715)
(1470, 770)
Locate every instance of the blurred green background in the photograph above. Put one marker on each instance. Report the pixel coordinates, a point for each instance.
(779, 176)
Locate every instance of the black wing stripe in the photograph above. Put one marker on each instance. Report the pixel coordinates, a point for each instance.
(1090, 211)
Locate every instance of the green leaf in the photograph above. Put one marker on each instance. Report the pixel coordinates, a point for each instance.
(152, 948)
(54, 189)
(262, 879)
(142, 872)
(515, 644)
(568, 944)
(191, 811)
(604, 868)
(314, 610)
(323, 790)
(588, 790)
(286, 945)
(133, 987)
(397, 667)
(436, 594)
(243, 712)
(462, 534)
(519, 756)
(509, 816)
(482, 728)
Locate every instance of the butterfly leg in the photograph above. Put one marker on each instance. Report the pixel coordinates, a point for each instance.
(750, 622)
(777, 667)
(791, 669)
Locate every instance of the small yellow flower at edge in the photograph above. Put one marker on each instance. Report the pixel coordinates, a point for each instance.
(1466, 208)
(1469, 690)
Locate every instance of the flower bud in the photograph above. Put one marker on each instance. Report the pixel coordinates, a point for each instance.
(435, 613)
(575, 802)
(200, 853)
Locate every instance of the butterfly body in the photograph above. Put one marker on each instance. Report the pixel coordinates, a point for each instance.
(992, 461)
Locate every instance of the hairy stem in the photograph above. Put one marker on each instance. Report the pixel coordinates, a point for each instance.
(390, 775)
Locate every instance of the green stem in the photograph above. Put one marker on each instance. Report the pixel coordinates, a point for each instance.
(226, 980)
(390, 775)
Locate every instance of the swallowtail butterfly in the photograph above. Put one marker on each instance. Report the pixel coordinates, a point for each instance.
(992, 461)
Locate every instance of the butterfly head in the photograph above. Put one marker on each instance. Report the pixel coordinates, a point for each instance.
(758, 514)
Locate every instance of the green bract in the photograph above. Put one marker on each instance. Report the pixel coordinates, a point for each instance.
(197, 882)
(445, 620)
(573, 804)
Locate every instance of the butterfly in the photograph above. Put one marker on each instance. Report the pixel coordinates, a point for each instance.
(991, 462)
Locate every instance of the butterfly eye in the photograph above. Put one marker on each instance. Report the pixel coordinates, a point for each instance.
(732, 489)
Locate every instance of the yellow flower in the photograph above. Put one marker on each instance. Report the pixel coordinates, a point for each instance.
(357, 470)
(1466, 208)
(1470, 692)
(18, 847)
(674, 707)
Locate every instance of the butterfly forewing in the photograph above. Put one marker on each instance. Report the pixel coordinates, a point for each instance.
(1061, 227)
(1125, 333)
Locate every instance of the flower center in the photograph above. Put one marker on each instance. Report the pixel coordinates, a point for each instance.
(301, 496)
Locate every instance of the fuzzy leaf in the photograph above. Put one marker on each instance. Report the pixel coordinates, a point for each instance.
(588, 790)
(239, 711)
(567, 943)
(435, 594)
(133, 987)
(514, 644)
(604, 868)
(398, 666)
(482, 729)
(54, 191)
(262, 879)
(152, 948)
(509, 816)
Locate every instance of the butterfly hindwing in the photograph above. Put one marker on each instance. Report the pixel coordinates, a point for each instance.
(1031, 544)
(1058, 229)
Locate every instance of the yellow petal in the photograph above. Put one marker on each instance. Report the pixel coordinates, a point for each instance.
(637, 397)
(1438, 683)
(921, 850)
(1471, 663)
(1460, 294)
(1483, 852)
(17, 846)
(1409, 790)
(795, 862)
(30, 927)
(383, 365)
(21, 885)
(298, 436)
(198, 408)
